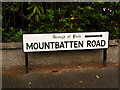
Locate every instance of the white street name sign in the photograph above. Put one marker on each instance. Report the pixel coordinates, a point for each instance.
(65, 41)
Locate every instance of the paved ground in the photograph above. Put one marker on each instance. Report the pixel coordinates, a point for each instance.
(65, 77)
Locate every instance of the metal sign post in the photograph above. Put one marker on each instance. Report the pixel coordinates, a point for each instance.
(26, 62)
(65, 41)
(104, 57)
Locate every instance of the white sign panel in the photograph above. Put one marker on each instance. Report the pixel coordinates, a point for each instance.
(65, 41)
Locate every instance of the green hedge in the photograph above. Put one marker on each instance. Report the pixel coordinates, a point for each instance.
(46, 17)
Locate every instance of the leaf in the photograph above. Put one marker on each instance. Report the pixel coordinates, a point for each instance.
(37, 18)
(79, 29)
(72, 18)
(97, 76)
(81, 82)
(79, 66)
(30, 15)
(30, 83)
(14, 9)
(35, 8)
(74, 11)
(38, 11)
(89, 8)
(42, 10)
(29, 7)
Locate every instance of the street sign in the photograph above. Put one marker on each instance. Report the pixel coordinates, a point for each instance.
(65, 41)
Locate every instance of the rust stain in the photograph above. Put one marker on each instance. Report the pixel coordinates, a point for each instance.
(12, 71)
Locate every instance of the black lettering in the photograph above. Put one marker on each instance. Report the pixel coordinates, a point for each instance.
(56, 45)
(80, 44)
(41, 46)
(54, 36)
(52, 44)
(73, 36)
(62, 45)
(71, 43)
(66, 43)
(98, 43)
(88, 43)
(35, 45)
(103, 43)
(75, 44)
(93, 43)
(47, 45)
(29, 46)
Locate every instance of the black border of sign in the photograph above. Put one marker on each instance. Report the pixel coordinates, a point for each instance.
(63, 50)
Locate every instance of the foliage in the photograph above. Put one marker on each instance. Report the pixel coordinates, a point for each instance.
(39, 17)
